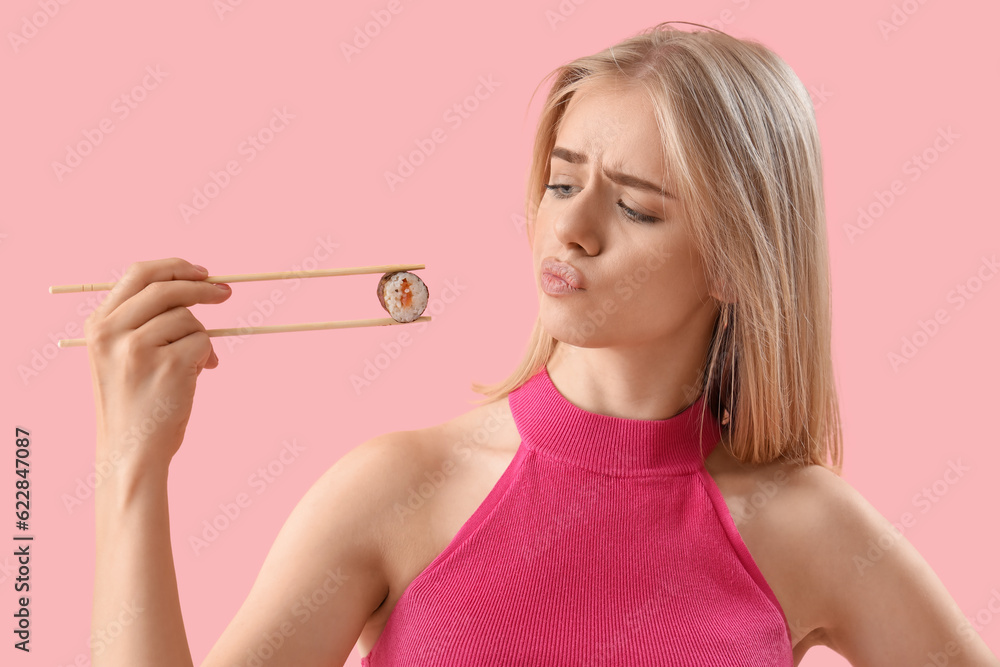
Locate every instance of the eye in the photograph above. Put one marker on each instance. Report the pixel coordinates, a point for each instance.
(635, 215)
(559, 192)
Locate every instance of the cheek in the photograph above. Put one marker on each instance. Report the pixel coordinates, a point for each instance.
(658, 288)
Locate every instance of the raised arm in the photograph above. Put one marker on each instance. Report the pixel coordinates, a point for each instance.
(146, 352)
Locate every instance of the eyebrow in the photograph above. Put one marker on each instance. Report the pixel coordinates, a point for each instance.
(615, 176)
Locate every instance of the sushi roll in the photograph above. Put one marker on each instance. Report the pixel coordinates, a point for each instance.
(403, 295)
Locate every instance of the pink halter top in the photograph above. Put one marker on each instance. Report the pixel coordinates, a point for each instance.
(604, 542)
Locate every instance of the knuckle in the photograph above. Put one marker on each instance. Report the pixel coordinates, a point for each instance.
(184, 314)
(130, 344)
(133, 276)
(177, 263)
(156, 288)
(96, 334)
(136, 270)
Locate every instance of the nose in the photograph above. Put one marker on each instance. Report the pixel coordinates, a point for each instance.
(577, 222)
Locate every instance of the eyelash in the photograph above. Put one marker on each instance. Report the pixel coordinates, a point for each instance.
(634, 215)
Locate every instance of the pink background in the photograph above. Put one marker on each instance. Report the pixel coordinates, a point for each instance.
(316, 197)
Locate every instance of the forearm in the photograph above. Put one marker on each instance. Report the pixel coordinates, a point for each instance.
(136, 620)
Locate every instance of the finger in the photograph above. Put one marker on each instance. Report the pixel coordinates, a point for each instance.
(140, 274)
(190, 353)
(171, 326)
(159, 297)
(168, 327)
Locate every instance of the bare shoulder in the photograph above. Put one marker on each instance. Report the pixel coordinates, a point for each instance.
(363, 531)
(432, 480)
(377, 473)
(778, 509)
(408, 480)
(877, 597)
(435, 472)
(845, 576)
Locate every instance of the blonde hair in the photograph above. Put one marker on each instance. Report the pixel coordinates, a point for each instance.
(741, 131)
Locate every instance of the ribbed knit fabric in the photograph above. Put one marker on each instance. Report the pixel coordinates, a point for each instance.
(604, 542)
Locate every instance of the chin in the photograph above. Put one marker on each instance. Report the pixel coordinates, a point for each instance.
(572, 328)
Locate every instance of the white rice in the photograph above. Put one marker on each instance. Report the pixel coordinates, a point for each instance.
(394, 291)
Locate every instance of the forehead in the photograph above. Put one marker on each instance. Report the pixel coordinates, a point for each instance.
(614, 124)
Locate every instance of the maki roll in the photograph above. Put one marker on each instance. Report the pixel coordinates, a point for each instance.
(403, 295)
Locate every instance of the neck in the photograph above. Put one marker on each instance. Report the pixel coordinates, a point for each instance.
(633, 383)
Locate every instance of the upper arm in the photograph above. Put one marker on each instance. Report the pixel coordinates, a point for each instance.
(882, 602)
(324, 575)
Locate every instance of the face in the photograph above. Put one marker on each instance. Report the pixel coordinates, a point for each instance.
(642, 283)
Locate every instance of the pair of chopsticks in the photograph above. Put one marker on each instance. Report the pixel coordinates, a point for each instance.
(278, 275)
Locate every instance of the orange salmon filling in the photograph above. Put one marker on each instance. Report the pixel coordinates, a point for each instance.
(407, 298)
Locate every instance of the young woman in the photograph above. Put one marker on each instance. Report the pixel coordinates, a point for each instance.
(658, 483)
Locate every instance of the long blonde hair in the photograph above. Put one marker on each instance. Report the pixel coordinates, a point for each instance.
(741, 130)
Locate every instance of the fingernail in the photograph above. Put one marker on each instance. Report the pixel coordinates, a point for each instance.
(201, 268)
(222, 286)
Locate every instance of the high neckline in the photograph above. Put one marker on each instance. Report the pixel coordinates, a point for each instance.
(551, 425)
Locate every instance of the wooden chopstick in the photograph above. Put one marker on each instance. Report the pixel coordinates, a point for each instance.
(246, 277)
(278, 275)
(311, 326)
